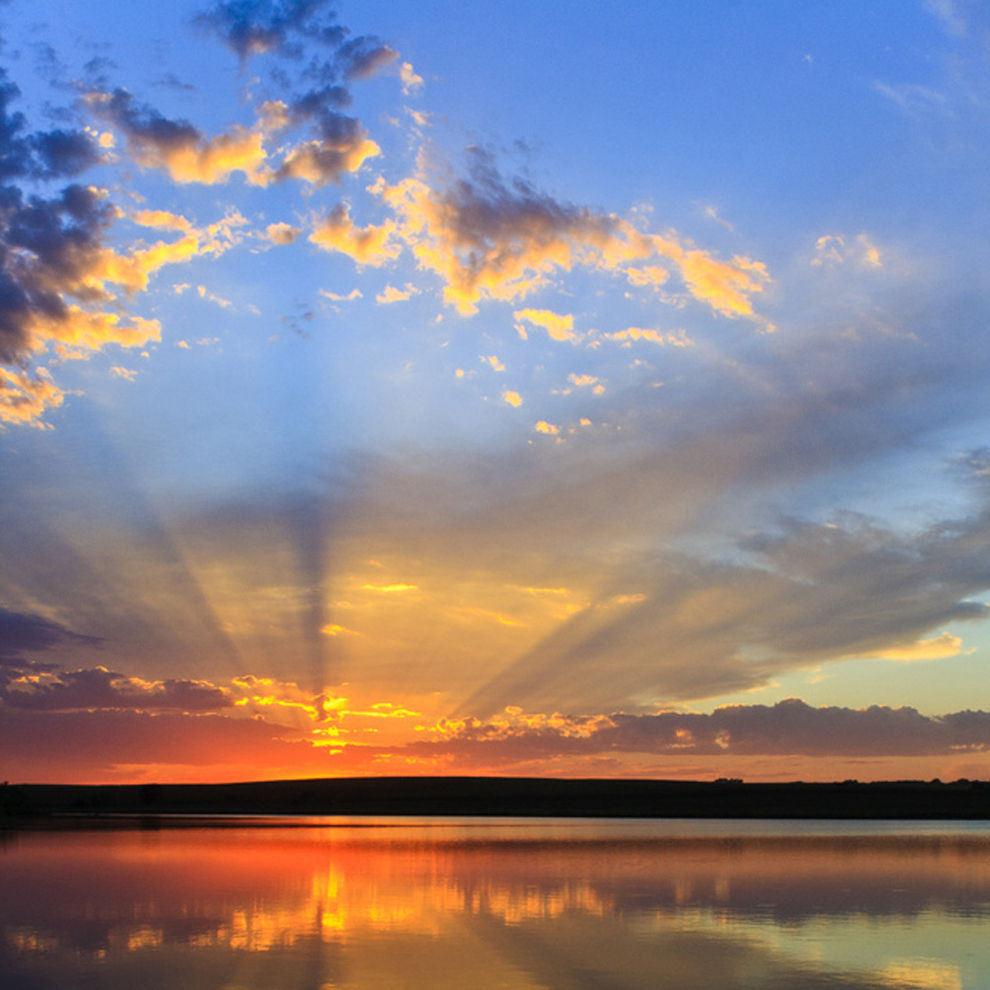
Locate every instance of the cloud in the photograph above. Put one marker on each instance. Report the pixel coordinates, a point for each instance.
(305, 32)
(338, 297)
(937, 648)
(411, 83)
(280, 27)
(339, 144)
(26, 397)
(59, 281)
(205, 293)
(558, 326)
(787, 728)
(257, 27)
(179, 148)
(512, 398)
(320, 162)
(390, 294)
(492, 239)
(675, 338)
(369, 245)
(54, 154)
(834, 249)
(281, 233)
(22, 633)
(99, 688)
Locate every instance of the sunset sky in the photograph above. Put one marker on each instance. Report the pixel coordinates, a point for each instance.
(519, 388)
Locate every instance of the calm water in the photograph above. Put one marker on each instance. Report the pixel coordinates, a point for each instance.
(481, 904)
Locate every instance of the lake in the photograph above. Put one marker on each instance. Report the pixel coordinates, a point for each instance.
(520, 904)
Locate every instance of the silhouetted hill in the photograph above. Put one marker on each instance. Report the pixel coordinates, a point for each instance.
(508, 796)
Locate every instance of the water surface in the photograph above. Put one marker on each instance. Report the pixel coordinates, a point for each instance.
(315, 904)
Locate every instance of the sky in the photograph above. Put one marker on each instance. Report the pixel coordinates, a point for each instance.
(529, 389)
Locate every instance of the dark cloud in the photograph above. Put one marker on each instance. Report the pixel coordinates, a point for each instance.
(172, 81)
(362, 57)
(45, 243)
(52, 154)
(46, 246)
(22, 632)
(255, 27)
(99, 688)
(61, 154)
(282, 27)
(788, 728)
(144, 126)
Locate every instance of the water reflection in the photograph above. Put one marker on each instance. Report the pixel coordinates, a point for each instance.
(532, 905)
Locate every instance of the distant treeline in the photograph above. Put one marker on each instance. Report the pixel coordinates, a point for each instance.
(503, 796)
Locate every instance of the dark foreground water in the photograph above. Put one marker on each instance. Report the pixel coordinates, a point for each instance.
(388, 904)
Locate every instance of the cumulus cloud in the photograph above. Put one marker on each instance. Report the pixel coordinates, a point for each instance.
(320, 162)
(54, 154)
(489, 238)
(60, 282)
(280, 27)
(306, 32)
(179, 148)
(368, 245)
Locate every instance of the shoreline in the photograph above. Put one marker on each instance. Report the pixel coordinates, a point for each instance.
(500, 797)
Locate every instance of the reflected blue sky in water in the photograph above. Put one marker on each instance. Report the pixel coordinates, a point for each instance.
(499, 904)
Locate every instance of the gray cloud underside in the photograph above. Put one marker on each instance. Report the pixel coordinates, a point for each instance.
(22, 633)
(284, 27)
(45, 242)
(98, 688)
(789, 728)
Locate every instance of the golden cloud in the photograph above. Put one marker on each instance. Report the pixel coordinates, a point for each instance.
(487, 240)
(26, 397)
(369, 245)
(559, 326)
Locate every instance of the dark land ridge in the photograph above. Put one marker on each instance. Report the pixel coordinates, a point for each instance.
(49, 804)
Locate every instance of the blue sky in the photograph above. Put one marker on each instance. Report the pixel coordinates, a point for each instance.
(386, 392)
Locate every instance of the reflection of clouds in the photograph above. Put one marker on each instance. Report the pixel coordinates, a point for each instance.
(790, 912)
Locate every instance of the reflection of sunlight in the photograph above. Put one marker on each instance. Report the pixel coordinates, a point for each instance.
(360, 903)
(925, 974)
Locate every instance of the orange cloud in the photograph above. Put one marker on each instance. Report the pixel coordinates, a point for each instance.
(559, 326)
(369, 245)
(937, 648)
(26, 397)
(281, 233)
(676, 338)
(390, 294)
(320, 162)
(489, 240)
